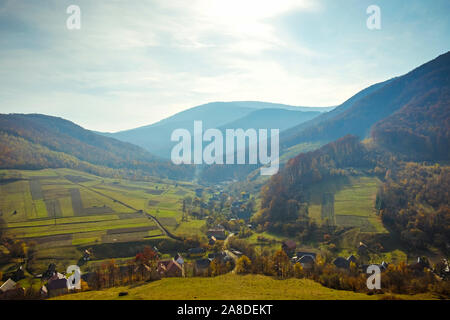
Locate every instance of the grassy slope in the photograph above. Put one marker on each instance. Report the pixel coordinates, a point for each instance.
(353, 204)
(227, 287)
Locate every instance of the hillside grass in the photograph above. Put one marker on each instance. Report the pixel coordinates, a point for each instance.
(354, 203)
(227, 287)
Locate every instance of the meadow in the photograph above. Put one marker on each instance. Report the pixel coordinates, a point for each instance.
(229, 287)
(353, 204)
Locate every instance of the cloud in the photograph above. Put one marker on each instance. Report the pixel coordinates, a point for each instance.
(135, 63)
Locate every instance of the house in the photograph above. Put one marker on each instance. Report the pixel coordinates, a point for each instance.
(423, 262)
(306, 261)
(8, 285)
(288, 246)
(142, 269)
(300, 254)
(220, 256)
(43, 292)
(218, 234)
(215, 255)
(353, 259)
(56, 276)
(236, 252)
(57, 287)
(170, 268)
(201, 266)
(341, 263)
(178, 258)
(10, 290)
(196, 251)
(362, 249)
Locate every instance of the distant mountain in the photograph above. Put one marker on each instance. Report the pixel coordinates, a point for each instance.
(271, 119)
(36, 141)
(427, 84)
(156, 137)
(294, 134)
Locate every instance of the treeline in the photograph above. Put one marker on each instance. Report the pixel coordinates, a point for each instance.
(414, 202)
(399, 279)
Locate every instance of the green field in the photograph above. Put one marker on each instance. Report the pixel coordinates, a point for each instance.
(228, 287)
(63, 208)
(354, 204)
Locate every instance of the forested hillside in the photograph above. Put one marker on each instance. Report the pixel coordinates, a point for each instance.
(415, 203)
(421, 129)
(38, 141)
(285, 196)
(425, 87)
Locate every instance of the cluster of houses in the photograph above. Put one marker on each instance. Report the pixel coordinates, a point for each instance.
(239, 210)
(202, 265)
(172, 268)
(308, 259)
(56, 284)
(10, 289)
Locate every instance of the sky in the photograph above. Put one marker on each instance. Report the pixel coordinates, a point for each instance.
(133, 63)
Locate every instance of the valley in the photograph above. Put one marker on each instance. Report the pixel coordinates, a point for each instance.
(364, 183)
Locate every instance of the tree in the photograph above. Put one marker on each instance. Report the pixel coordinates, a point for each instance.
(281, 264)
(243, 265)
(298, 270)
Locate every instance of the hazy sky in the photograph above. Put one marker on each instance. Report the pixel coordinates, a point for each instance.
(135, 62)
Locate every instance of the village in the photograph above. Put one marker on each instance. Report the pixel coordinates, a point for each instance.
(229, 242)
(217, 257)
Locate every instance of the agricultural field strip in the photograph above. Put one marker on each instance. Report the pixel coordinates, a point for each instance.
(354, 205)
(51, 223)
(77, 228)
(169, 206)
(66, 220)
(167, 232)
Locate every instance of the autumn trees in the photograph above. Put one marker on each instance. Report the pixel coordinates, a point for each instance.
(414, 202)
(284, 204)
(243, 265)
